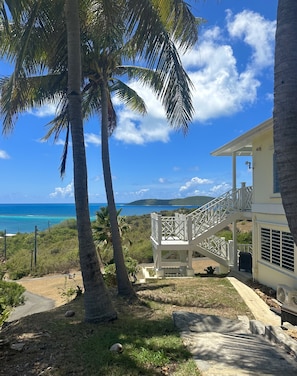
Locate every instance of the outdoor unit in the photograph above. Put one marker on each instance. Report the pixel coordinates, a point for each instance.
(292, 298)
(282, 293)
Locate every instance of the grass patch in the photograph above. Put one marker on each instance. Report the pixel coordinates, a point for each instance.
(60, 346)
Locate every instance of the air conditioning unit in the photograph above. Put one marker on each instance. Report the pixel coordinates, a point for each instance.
(282, 293)
(292, 298)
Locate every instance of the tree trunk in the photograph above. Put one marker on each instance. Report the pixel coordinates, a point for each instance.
(98, 304)
(285, 108)
(125, 288)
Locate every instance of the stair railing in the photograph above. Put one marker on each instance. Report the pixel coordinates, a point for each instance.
(189, 227)
(218, 209)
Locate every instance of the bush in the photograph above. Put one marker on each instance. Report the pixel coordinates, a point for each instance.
(11, 295)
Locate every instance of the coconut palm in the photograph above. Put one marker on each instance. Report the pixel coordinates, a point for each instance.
(98, 305)
(285, 109)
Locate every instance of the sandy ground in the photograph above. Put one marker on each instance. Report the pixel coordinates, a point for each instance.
(54, 286)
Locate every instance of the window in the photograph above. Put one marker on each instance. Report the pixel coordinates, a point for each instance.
(277, 247)
(275, 176)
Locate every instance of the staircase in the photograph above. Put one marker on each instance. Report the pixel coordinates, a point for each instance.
(196, 230)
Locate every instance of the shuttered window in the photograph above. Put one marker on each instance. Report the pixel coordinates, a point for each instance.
(277, 247)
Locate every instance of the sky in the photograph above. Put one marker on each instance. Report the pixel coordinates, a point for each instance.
(231, 68)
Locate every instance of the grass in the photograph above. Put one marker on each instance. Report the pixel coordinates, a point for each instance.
(60, 346)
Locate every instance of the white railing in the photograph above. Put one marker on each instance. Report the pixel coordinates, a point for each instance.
(224, 249)
(217, 246)
(189, 227)
(217, 210)
(247, 248)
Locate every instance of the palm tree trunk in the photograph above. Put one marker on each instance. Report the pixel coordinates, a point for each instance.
(125, 288)
(285, 108)
(98, 305)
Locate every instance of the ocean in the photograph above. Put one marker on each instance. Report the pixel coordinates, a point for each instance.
(24, 217)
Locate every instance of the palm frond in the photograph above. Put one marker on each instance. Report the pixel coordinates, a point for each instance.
(19, 94)
(128, 96)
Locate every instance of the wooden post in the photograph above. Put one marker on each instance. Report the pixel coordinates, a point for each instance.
(35, 246)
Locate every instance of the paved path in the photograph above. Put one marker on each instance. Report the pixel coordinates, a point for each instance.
(33, 304)
(258, 307)
(224, 347)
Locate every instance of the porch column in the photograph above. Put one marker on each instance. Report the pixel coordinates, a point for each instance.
(234, 223)
(234, 171)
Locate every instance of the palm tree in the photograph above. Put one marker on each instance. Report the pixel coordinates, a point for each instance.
(285, 109)
(102, 234)
(98, 306)
(102, 228)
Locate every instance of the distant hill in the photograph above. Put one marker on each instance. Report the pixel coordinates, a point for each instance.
(188, 201)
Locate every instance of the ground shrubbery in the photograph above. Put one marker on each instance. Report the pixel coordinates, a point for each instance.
(57, 248)
(11, 295)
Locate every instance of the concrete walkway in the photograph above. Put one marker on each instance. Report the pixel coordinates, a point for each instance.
(258, 307)
(224, 347)
(33, 304)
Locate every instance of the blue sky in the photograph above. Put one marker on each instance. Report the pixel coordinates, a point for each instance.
(231, 68)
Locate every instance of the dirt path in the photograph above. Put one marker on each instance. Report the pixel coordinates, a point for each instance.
(53, 286)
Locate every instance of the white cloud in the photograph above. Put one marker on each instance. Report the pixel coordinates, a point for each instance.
(256, 32)
(4, 155)
(141, 191)
(63, 191)
(133, 128)
(47, 110)
(91, 138)
(225, 80)
(221, 188)
(193, 183)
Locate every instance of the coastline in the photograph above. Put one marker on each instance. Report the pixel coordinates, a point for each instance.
(22, 218)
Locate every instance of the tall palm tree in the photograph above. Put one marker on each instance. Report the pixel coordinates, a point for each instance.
(39, 27)
(150, 28)
(98, 306)
(285, 108)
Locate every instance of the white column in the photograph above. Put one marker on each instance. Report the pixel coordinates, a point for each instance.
(234, 223)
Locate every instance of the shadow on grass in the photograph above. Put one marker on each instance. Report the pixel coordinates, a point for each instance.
(152, 286)
(52, 344)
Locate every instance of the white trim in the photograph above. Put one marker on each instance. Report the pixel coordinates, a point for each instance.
(274, 209)
(243, 145)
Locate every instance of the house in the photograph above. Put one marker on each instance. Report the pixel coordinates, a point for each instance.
(274, 254)
(274, 251)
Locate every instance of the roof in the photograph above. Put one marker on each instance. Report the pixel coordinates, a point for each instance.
(243, 144)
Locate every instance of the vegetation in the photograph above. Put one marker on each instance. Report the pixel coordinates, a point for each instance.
(11, 295)
(151, 343)
(84, 70)
(57, 247)
(192, 201)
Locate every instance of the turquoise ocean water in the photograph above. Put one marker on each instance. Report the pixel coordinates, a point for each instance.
(24, 217)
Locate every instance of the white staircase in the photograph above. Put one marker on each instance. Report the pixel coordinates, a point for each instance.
(196, 230)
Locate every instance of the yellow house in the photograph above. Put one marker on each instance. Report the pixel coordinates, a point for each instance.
(274, 252)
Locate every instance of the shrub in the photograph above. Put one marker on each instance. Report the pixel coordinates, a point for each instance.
(11, 295)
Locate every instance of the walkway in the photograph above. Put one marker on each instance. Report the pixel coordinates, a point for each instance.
(224, 347)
